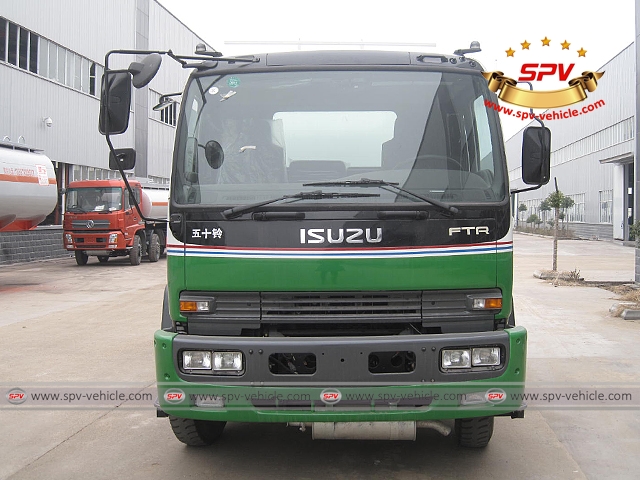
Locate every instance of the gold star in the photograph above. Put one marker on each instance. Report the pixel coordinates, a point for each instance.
(510, 52)
(565, 45)
(582, 52)
(545, 41)
(525, 45)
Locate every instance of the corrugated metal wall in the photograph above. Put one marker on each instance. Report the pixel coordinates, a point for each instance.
(166, 32)
(90, 29)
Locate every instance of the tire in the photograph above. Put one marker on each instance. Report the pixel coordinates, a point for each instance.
(135, 254)
(103, 258)
(196, 433)
(154, 248)
(81, 257)
(474, 432)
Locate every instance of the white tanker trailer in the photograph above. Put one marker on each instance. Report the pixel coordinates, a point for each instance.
(28, 190)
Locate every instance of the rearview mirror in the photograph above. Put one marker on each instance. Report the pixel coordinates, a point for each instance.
(214, 154)
(124, 159)
(536, 155)
(143, 72)
(114, 116)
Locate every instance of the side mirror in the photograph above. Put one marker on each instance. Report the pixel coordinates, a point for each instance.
(143, 72)
(536, 155)
(124, 159)
(114, 117)
(214, 154)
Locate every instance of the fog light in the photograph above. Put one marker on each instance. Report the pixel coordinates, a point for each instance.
(193, 306)
(196, 360)
(485, 356)
(487, 303)
(68, 237)
(212, 402)
(113, 238)
(456, 358)
(231, 362)
(474, 398)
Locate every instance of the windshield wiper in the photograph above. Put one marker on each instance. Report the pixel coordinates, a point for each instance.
(315, 195)
(365, 182)
(76, 209)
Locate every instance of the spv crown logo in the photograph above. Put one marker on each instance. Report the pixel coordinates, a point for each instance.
(539, 71)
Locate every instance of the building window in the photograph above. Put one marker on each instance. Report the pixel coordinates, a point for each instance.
(29, 51)
(69, 63)
(77, 72)
(169, 113)
(605, 200)
(92, 79)
(84, 72)
(53, 61)
(82, 172)
(3, 40)
(34, 41)
(61, 63)
(576, 213)
(43, 65)
(158, 180)
(24, 49)
(12, 53)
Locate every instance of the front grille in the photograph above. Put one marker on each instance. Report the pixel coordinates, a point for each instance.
(84, 224)
(450, 303)
(342, 308)
(282, 307)
(100, 241)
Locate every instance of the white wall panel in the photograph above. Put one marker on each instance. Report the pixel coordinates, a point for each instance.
(88, 27)
(25, 99)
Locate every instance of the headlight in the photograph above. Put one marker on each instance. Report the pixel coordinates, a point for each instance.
(113, 238)
(68, 238)
(196, 360)
(458, 358)
(485, 356)
(228, 362)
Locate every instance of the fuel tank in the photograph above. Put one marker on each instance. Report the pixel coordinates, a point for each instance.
(155, 202)
(28, 190)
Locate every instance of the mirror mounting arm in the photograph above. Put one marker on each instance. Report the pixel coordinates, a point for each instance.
(520, 190)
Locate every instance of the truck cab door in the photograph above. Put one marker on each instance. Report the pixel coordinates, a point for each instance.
(131, 216)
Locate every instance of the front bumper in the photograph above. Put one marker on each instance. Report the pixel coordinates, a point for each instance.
(97, 242)
(425, 393)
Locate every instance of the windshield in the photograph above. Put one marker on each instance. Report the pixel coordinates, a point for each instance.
(94, 199)
(428, 132)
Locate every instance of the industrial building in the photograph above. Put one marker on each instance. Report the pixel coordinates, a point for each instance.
(52, 56)
(51, 62)
(592, 157)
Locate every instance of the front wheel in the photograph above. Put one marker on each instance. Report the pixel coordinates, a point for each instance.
(196, 433)
(81, 257)
(474, 432)
(154, 248)
(103, 258)
(135, 255)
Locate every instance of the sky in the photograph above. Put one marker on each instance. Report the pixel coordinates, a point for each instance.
(602, 29)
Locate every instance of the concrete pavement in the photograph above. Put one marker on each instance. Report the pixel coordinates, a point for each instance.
(575, 342)
(61, 323)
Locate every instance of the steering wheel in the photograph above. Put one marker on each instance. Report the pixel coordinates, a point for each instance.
(410, 161)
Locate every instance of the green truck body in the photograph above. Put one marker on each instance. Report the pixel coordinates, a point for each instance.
(340, 250)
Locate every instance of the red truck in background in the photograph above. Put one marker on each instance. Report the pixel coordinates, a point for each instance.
(101, 220)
